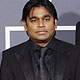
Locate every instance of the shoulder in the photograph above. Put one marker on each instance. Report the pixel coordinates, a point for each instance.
(15, 49)
(64, 45)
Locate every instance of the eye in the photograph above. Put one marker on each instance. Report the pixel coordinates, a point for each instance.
(47, 19)
(33, 20)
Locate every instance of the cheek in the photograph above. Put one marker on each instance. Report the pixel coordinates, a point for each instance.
(32, 26)
(50, 27)
(31, 30)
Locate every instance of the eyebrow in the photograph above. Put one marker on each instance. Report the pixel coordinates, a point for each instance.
(34, 17)
(46, 16)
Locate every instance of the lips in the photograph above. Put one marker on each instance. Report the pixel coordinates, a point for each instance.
(41, 32)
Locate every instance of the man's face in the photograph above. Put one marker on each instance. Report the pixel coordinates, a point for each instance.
(40, 25)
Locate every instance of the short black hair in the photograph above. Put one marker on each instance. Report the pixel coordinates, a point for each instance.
(36, 3)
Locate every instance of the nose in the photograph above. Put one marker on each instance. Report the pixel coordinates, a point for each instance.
(40, 23)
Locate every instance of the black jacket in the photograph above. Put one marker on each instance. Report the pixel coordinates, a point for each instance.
(72, 71)
(17, 63)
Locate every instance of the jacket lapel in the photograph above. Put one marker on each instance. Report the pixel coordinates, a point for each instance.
(61, 58)
(25, 60)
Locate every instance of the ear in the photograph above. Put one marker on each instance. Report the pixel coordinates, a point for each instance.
(55, 23)
(25, 26)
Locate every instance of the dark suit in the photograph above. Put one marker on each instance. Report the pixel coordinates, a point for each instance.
(17, 62)
(72, 71)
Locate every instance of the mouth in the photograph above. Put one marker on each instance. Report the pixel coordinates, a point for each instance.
(41, 32)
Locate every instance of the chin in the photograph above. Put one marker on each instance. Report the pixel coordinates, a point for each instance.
(42, 40)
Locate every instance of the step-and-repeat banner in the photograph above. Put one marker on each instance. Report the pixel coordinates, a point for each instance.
(12, 30)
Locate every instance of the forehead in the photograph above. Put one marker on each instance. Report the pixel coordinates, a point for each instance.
(39, 11)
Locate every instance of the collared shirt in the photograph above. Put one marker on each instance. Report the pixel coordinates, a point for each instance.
(49, 57)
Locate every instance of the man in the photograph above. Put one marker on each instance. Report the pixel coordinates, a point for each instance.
(23, 62)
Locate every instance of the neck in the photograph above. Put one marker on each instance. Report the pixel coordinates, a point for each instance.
(42, 43)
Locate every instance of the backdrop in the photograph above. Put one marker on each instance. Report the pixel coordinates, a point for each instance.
(10, 16)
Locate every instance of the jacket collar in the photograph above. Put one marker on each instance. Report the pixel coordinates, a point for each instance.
(24, 58)
(54, 44)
